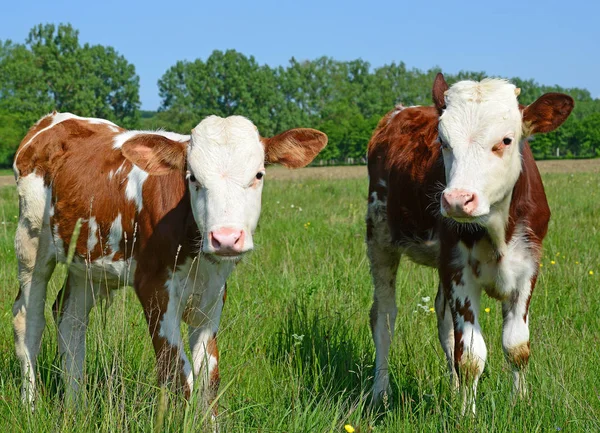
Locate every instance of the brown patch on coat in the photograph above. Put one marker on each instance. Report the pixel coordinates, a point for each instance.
(468, 368)
(459, 345)
(212, 350)
(533, 281)
(403, 152)
(373, 315)
(457, 277)
(475, 267)
(519, 356)
(529, 205)
(465, 310)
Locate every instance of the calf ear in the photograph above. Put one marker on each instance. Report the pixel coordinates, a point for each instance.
(155, 154)
(439, 90)
(294, 148)
(547, 113)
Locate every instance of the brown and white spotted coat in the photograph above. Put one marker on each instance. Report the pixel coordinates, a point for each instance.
(169, 214)
(455, 186)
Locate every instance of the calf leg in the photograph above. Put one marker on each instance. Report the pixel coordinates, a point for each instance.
(470, 351)
(445, 327)
(205, 354)
(515, 334)
(384, 266)
(162, 308)
(36, 262)
(71, 313)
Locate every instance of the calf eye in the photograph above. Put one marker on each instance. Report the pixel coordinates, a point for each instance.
(192, 178)
(507, 141)
(260, 175)
(443, 144)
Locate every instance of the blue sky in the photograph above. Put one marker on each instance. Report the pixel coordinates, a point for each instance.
(552, 42)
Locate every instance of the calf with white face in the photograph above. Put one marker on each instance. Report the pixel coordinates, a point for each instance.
(483, 232)
(173, 213)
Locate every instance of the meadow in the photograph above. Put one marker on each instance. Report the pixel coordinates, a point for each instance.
(295, 344)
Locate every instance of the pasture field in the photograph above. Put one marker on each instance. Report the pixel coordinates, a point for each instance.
(295, 344)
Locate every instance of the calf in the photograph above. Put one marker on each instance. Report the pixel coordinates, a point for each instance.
(455, 186)
(171, 213)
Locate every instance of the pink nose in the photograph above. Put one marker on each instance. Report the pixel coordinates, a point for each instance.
(227, 241)
(459, 203)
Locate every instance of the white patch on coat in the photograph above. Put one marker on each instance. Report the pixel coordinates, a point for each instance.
(35, 255)
(120, 139)
(196, 288)
(115, 235)
(93, 234)
(135, 182)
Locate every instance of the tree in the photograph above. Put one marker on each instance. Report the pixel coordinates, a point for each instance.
(89, 80)
(226, 84)
(52, 71)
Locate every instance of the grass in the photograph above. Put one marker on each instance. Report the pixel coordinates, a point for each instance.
(296, 350)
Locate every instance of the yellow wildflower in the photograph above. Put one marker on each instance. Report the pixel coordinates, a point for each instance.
(541, 265)
(487, 310)
(557, 254)
(552, 262)
(576, 262)
(591, 272)
(432, 310)
(349, 428)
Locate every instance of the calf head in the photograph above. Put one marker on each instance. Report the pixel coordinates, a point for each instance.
(224, 164)
(481, 130)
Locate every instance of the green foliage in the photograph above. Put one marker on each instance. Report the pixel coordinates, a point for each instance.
(343, 99)
(53, 71)
(226, 84)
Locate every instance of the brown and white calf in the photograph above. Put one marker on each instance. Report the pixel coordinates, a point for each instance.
(171, 213)
(455, 186)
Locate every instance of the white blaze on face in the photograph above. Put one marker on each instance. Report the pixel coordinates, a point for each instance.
(224, 158)
(480, 117)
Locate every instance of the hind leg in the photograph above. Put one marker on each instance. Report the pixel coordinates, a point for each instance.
(71, 312)
(445, 327)
(36, 261)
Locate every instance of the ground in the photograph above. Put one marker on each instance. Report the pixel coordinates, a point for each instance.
(296, 350)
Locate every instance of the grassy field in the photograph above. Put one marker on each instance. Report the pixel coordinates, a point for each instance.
(296, 350)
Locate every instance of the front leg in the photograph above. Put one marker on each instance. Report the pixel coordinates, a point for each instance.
(161, 302)
(470, 352)
(205, 353)
(515, 332)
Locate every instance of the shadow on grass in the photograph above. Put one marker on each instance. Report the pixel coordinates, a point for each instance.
(324, 356)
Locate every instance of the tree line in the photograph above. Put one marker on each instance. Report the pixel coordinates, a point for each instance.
(52, 70)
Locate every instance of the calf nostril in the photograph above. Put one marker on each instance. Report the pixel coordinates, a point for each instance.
(238, 239)
(469, 199)
(445, 202)
(214, 241)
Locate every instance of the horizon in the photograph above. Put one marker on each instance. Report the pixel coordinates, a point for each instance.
(350, 30)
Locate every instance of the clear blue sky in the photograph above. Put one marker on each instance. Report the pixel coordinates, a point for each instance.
(550, 41)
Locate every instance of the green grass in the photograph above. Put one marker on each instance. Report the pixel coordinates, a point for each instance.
(296, 350)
